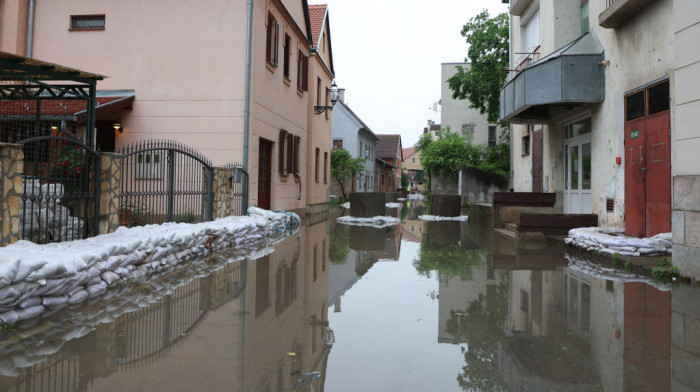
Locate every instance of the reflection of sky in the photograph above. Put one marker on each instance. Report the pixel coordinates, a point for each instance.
(386, 334)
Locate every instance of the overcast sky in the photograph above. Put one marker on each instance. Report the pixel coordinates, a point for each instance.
(387, 55)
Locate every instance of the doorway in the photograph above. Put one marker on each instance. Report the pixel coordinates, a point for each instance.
(265, 174)
(537, 160)
(648, 161)
(578, 198)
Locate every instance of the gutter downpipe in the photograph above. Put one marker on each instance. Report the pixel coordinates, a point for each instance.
(30, 29)
(511, 185)
(246, 106)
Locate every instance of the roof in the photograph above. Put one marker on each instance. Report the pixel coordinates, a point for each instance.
(388, 146)
(107, 103)
(364, 126)
(16, 67)
(317, 15)
(407, 152)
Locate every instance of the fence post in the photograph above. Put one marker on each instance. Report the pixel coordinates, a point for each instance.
(171, 184)
(11, 170)
(110, 188)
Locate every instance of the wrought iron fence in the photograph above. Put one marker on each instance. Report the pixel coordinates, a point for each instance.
(164, 181)
(239, 190)
(59, 373)
(60, 198)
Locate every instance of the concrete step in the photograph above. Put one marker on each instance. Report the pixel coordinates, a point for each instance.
(511, 234)
(511, 226)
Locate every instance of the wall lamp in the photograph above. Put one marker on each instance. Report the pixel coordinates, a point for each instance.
(334, 99)
(118, 125)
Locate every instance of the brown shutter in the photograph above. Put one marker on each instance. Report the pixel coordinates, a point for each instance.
(280, 163)
(297, 141)
(290, 153)
(268, 46)
(277, 43)
(305, 76)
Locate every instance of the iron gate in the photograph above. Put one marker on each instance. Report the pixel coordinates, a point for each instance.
(60, 198)
(164, 181)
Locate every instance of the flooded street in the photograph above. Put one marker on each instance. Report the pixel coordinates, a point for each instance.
(423, 306)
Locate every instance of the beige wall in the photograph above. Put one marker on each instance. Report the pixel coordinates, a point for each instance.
(13, 26)
(409, 165)
(319, 124)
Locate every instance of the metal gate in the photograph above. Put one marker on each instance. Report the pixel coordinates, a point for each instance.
(60, 198)
(164, 181)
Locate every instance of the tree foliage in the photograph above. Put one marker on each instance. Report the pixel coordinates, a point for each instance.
(488, 54)
(448, 153)
(404, 179)
(344, 167)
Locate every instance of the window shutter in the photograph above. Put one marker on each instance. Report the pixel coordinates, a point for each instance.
(277, 41)
(268, 46)
(305, 76)
(297, 141)
(280, 162)
(290, 153)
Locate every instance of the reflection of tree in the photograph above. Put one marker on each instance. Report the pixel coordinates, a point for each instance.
(481, 326)
(448, 259)
(339, 244)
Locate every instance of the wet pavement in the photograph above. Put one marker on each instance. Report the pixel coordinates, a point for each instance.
(423, 306)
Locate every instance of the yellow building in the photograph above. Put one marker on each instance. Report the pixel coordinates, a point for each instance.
(412, 163)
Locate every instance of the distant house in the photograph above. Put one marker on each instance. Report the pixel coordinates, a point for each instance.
(348, 131)
(432, 129)
(413, 164)
(388, 164)
(459, 117)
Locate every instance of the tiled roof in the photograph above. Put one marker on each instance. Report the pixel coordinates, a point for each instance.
(105, 106)
(317, 13)
(407, 152)
(388, 146)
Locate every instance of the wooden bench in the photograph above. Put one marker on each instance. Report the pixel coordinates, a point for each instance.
(555, 224)
(523, 199)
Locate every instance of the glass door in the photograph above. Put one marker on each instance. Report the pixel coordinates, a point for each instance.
(577, 168)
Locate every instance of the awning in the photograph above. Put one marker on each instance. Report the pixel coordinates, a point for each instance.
(570, 76)
(109, 103)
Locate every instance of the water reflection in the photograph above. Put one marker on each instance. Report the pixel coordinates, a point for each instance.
(445, 306)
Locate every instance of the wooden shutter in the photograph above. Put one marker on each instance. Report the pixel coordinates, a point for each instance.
(297, 141)
(280, 162)
(305, 73)
(290, 153)
(277, 43)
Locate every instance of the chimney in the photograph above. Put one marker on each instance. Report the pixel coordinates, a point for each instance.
(341, 95)
(430, 122)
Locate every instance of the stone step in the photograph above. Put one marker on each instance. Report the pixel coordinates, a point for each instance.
(507, 233)
(511, 226)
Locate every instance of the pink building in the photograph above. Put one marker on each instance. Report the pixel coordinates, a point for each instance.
(183, 66)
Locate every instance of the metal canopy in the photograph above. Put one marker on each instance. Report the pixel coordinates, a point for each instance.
(23, 78)
(570, 76)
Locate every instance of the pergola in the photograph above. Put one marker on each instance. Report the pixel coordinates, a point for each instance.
(34, 91)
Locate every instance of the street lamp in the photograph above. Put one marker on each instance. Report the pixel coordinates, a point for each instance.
(334, 99)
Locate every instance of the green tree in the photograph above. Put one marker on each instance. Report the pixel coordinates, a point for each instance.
(344, 167)
(488, 54)
(404, 179)
(449, 153)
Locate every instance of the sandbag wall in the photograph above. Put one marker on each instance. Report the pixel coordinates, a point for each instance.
(35, 278)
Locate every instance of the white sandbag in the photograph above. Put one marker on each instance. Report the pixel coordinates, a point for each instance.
(9, 318)
(96, 289)
(94, 281)
(34, 311)
(8, 271)
(54, 301)
(110, 277)
(29, 302)
(78, 297)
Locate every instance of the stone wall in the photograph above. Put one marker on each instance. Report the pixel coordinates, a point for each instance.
(443, 184)
(223, 186)
(315, 209)
(335, 188)
(477, 186)
(11, 169)
(110, 188)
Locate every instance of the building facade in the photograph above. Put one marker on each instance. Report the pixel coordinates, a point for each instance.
(413, 165)
(190, 84)
(388, 165)
(600, 99)
(458, 116)
(348, 131)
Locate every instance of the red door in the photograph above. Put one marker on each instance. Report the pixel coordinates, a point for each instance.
(265, 174)
(648, 162)
(537, 173)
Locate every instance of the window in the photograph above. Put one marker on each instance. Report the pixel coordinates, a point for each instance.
(337, 144)
(530, 33)
(302, 72)
(272, 42)
(328, 91)
(359, 153)
(325, 168)
(87, 22)
(413, 160)
(526, 143)
(318, 154)
(288, 161)
(318, 92)
(149, 165)
(492, 135)
(287, 54)
(659, 100)
(585, 27)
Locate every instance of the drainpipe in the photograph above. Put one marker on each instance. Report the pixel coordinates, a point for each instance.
(299, 178)
(30, 29)
(246, 106)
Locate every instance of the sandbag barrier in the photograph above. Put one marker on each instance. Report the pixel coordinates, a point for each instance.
(35, 279)
(606, 273)
(376, 222)
(612, 240)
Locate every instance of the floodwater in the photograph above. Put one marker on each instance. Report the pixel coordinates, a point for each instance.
(424, 306)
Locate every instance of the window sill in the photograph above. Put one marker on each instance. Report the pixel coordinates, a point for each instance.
(271, 67)
(287, 81)
(300, 92)
(524, 155)
(87, 29)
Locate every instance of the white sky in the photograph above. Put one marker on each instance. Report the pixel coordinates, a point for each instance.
(387, 55)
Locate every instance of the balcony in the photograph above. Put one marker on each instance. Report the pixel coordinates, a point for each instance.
(619, 11)
(517, 7)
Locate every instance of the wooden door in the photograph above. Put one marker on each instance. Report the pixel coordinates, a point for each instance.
(265, 174)
(537, 171)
